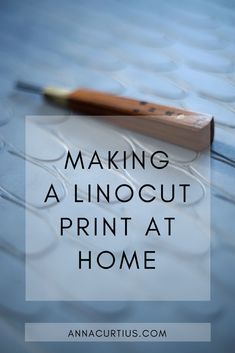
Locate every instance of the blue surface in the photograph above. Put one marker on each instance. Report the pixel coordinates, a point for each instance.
(176, 53)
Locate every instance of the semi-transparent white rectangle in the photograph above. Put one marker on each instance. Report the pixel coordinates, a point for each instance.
(117, 332)
(181, 260)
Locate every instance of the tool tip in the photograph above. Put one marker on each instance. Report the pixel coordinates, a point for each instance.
(28, 87)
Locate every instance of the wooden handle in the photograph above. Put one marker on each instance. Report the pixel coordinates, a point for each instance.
(188, 129)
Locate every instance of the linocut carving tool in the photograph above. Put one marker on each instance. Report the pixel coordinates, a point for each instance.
(178, 126)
